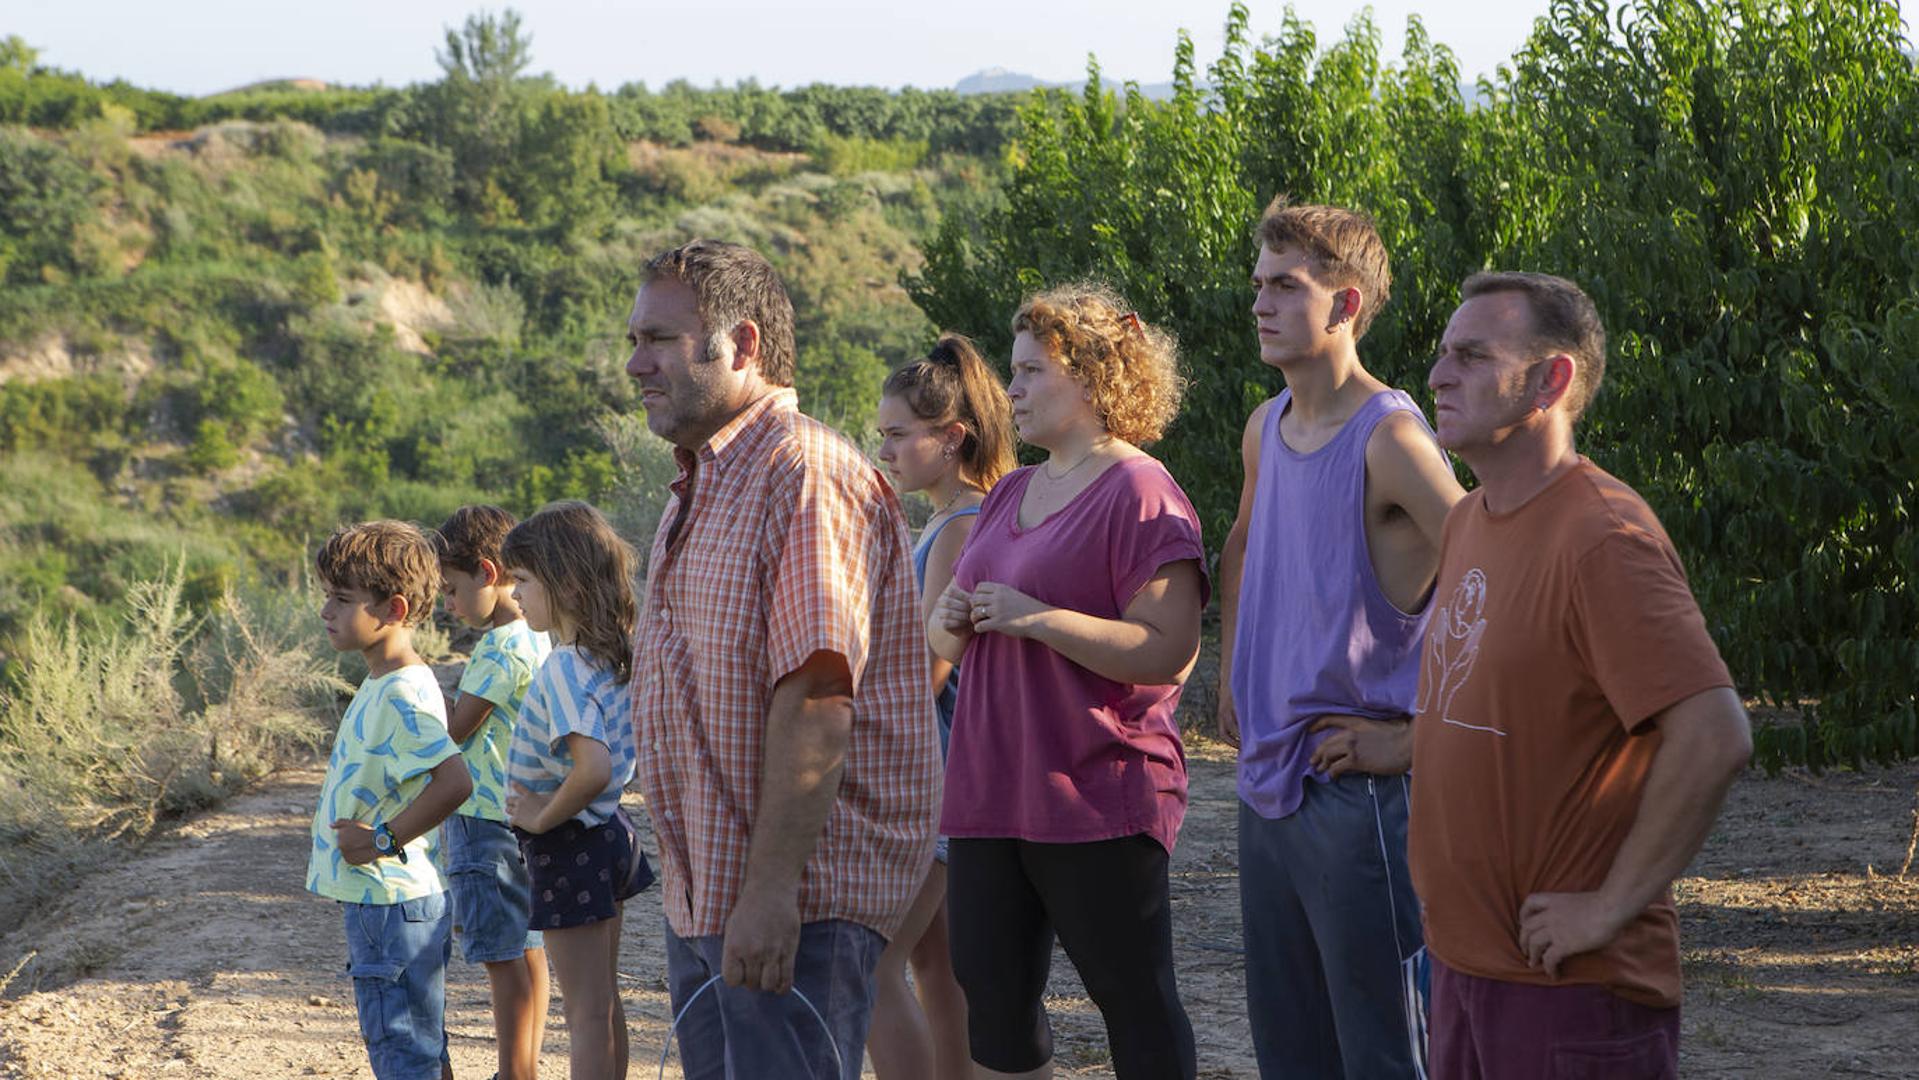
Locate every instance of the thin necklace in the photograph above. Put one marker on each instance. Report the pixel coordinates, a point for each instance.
(1098, 444)
(948, 504)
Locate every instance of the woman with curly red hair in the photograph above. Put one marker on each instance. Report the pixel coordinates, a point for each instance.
(1074, 612)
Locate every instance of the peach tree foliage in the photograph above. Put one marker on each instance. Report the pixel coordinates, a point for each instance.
(1735, 181)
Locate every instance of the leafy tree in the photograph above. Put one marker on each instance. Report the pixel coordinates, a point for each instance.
(565, 158)
(16, 56)
(483, 63)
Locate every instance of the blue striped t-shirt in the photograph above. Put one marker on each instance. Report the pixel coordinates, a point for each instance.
(572, 695)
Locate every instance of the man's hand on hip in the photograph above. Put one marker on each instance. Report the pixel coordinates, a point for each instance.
(762, 941)
(1556, 926)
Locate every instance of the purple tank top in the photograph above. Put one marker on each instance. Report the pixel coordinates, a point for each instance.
(1315, 634)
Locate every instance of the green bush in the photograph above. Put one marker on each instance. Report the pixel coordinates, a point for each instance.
(68, 414)
(850, 155)
(797, 119)
(211, 450)
(46, 197)
(303, 499)
(840, 384)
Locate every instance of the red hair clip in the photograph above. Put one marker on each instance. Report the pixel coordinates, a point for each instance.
(1131, 319)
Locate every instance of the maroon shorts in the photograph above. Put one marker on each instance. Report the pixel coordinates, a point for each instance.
(1488, 1029)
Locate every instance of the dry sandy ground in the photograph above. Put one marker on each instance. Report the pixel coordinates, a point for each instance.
(202, 956)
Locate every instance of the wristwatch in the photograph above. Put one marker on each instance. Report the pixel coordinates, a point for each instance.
(385, 844)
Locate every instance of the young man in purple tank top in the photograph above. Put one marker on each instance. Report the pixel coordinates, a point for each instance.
(1324, 589)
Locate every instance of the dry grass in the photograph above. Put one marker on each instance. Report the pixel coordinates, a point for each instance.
(106, 732)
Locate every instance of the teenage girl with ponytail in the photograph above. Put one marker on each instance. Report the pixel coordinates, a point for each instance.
(946, 430)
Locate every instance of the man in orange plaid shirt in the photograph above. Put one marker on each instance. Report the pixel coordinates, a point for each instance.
(787, 746)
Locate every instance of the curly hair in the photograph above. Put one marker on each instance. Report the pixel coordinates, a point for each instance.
(385, 558)
(1129, 369)
(588, 572)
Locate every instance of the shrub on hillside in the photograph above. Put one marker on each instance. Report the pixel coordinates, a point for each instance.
(852, 155)
(68, 414)
(46, 195)
(211, 450)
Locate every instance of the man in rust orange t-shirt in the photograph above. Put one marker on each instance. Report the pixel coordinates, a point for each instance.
(1576, 729)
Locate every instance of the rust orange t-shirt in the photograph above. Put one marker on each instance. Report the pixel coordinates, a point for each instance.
(1559, 630)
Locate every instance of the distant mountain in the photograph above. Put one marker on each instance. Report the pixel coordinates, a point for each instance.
(998, 80)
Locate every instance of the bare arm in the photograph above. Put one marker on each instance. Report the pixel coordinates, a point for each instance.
(1407, 469)
(592, 770)
(449, 785)
(808, 723)
(465, 716)
(1154, 641)
(939, 573)
(1232, 559)
(1705, 741)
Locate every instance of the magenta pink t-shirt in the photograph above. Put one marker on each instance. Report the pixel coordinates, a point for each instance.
(1042, 748)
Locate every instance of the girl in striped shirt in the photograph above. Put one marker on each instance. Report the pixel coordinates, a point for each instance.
(572, 754)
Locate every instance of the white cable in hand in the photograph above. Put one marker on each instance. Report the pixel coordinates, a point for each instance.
(667, 1050)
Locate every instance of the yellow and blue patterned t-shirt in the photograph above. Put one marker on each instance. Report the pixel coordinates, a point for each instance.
(500, 670)
(392, 735)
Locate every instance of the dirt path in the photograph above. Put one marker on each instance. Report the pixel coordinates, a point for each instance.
(202, 956)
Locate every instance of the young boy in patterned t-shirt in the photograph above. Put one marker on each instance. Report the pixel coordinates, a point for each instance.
(392, 777)
(492, 897)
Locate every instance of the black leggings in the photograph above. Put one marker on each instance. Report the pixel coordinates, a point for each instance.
(1107, 901)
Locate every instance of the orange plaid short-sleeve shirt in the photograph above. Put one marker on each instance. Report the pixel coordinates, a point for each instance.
(788, 543)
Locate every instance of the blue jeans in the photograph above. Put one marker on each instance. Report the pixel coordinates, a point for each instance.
(397, 954)
(739, 1034)
(1336, 968)
(492, 898)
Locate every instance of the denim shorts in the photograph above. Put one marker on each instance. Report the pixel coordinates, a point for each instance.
(397, 954)
(583, 873)
(492, 896)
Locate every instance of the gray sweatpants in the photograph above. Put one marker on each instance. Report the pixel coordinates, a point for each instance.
(1336, 971)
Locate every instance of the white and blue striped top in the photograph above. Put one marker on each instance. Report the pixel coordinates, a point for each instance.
(572, 695)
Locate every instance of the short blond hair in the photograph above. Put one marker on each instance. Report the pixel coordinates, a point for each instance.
(1129, 369)
(386, 559)
(1343, 246)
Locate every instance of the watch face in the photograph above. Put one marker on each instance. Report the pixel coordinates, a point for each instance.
(383, 840)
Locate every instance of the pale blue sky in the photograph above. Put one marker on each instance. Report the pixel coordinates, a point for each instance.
(202, 46)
